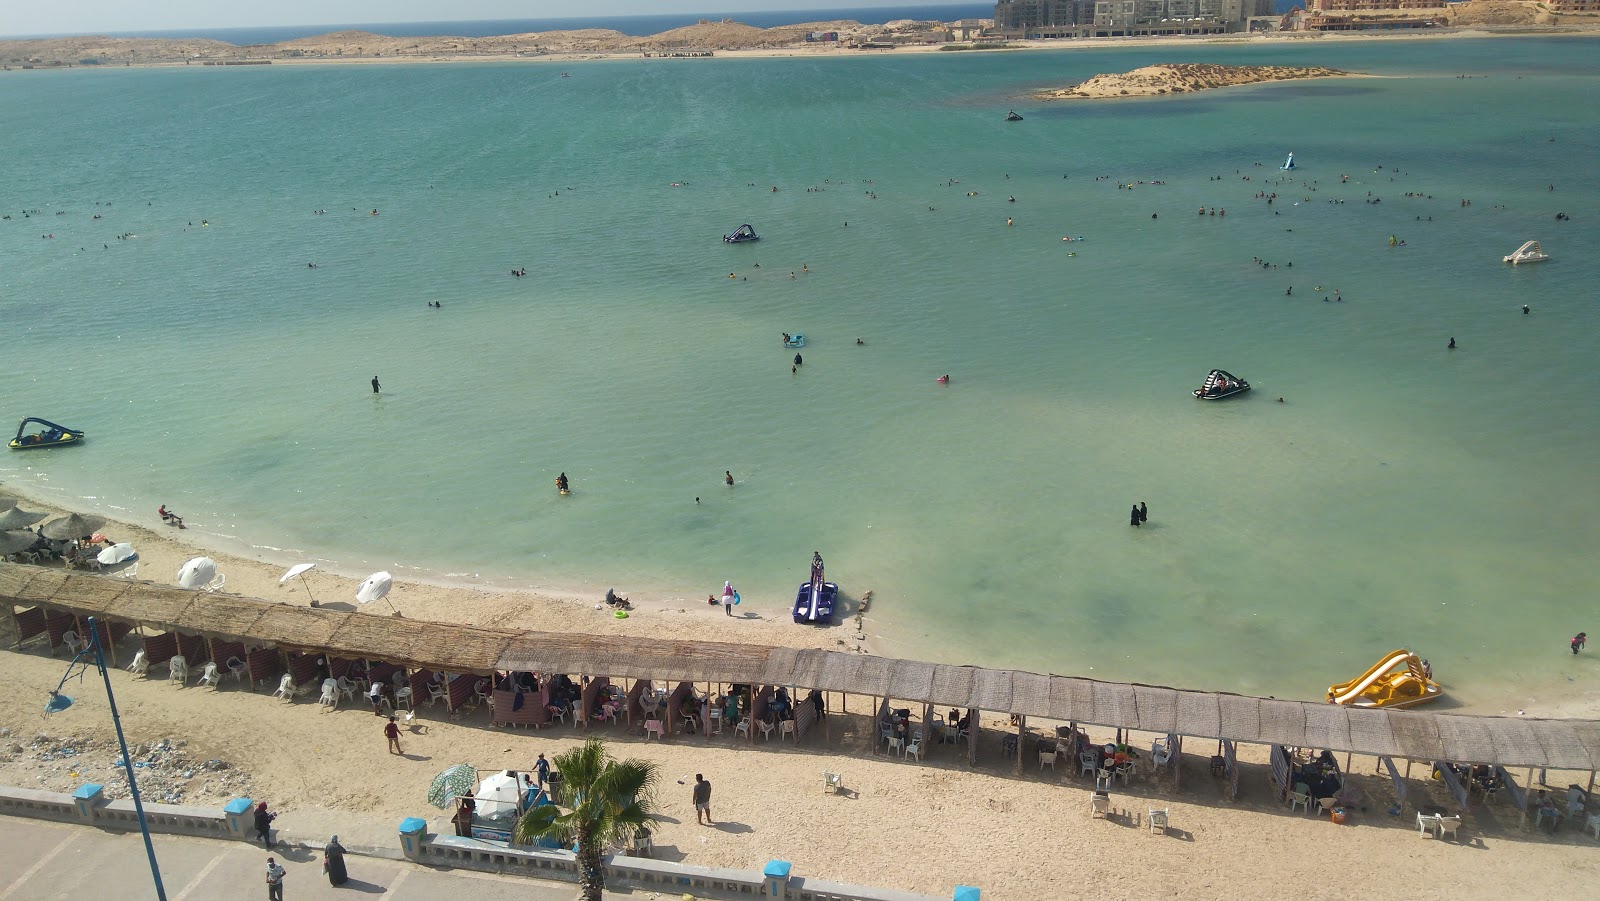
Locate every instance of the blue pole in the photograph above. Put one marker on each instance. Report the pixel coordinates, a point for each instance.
(127, 759)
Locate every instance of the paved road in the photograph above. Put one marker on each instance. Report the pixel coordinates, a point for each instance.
(43, 861)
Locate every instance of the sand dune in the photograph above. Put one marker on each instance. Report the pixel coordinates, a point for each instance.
(1181, 78)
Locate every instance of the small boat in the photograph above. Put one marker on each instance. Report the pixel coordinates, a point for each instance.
(1288, 164)
(1013, 117)
(794, 340)
(1530, 252)
(51, 435)
(1219, 384)
(741, 235)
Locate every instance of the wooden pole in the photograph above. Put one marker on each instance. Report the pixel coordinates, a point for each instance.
(1022, 726)
(972, 736)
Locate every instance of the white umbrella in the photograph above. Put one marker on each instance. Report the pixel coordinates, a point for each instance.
(300, 569)
(120, 552)
(376, 586)
(197, 573)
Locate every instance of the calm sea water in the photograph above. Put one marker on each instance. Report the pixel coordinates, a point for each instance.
(1402, 494)
(633, 25)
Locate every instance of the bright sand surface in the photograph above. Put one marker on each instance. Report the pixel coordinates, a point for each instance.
(919, 827)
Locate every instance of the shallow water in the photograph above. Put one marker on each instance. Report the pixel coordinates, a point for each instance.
(1401, 495)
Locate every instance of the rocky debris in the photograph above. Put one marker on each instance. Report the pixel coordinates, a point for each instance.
(165, 770)
(1180, 78)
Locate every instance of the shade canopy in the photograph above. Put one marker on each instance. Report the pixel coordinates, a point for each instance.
(11, 542)
(296, 570)
(120, 552)
(76, 525)
(197, 572)
(18, 518)
(453, 783)
(376, 586)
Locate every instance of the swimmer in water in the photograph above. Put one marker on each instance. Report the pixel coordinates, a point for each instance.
(1452, 344)
(798, 361)
(727, 476)
(944, 379)
(859, 342)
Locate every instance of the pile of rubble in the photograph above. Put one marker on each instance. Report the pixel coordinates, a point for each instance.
(165, 771)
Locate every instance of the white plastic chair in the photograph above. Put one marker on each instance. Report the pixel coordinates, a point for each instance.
(237, 669)
(656, 728)
(742, 728)
(1158, 820)
(215, 584)
(1099, 805)
(402, 695)
(832, 782)
(787, 728)
(140, 665)
(1160, 754)
(285, 688)
(1449, 825)
(347, 689)
(913, 749)
(438, 692)
(73, 642)
(1427, 823)
(766, 730)
(1047, 757)
(330, 694)
(131, 571)
(1087, 762)
(1299, 799)
(178, 670)
(210, 676)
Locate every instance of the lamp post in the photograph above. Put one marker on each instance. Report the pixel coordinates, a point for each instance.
(59, 702)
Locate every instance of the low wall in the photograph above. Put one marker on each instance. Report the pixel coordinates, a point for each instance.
(634, 872)
(88, 805)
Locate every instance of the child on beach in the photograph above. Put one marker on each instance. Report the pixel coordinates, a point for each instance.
(392, 732)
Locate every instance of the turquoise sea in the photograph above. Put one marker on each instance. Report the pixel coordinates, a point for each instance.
(1401, 495)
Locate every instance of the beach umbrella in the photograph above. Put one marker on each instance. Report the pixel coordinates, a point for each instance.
(376, 586)
(300, 569)
(121, 552)
(11, 542)
(197, 573)
(18, 518)
(75, 526)
(451, 784)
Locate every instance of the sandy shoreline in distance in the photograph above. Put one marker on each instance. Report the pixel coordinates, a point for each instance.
(838, 51)
(163, 549)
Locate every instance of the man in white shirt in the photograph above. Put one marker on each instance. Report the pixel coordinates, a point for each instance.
(275, 876)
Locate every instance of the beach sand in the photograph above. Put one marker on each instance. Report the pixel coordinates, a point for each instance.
(927, 827)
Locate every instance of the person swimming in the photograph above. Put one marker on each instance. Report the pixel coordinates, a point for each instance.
(1452, 344)
(561, 483)
(943, 379)
(727, 476)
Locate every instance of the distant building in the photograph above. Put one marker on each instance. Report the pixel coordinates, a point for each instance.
(1328, 6)
(1574, 6)
(1119, 18)
(1034, 15)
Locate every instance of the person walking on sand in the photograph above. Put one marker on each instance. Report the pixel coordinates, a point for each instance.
(702, 800)
(275, 876)
(264, 824)
(1578, 642)
(374, 384)
(392, 732)
(727, 598)
(541, 769)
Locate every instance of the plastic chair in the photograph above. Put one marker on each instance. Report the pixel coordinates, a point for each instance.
(402, 695)
(129, 572)
(1449, 825)
(237, 669)
(73, 642)
(1593, 823)
(832, 782)
(140, 665)
(347, 689)
(743, 728)
(178, 670)
(766, 731)
(1099, 805)
(1103, 779)
(656, 728)
(215, 584)
(1300, 799)
(437, 692)
(210, 676)
(285, 688)
(1087, 762)
(330, 694)
(716, 719)
(1047, 757)
(1160, 754)
(1158, 820)
(913, 749)
(787, 728)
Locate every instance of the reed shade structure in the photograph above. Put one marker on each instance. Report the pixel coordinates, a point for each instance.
(66, 528)
(11, 542)
(18, 518)
(1569, 744)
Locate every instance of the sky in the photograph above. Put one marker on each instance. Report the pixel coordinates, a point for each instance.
(99, 16)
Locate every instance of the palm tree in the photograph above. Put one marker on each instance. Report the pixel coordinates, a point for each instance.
(611, 800)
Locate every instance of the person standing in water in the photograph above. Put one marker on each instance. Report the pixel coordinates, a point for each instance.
(1451, 345)
(798, 360)
(1578, 641)
(727, 476)
(1133, 518)
(374, 384)
(1144, 512)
